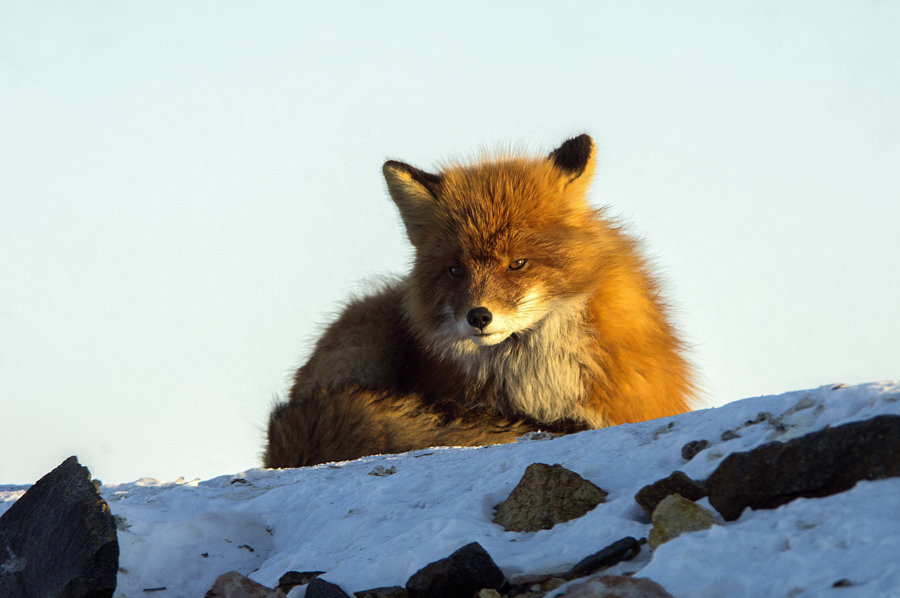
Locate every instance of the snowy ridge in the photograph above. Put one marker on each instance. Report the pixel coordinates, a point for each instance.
(367, 531)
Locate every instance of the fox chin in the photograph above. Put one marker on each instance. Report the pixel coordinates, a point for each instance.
(526, 309)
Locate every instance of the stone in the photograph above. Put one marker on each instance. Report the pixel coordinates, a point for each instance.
(621, 550)
(678, 482)
(387, 592)
(382, 471)
(290, 579)
(236, 585)
(319, 588)
(692, 448)
(527, 585)
(59, 539)
(459, 575)
(616, 586)
(818, 464)
(553, 583)
(488, 593)
(676, 515)
(547, 495)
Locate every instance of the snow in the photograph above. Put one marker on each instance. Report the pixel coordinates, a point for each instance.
(376, 530)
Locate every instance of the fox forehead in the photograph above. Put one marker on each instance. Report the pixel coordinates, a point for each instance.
(485, 205)
(498, 194)
(493, 210)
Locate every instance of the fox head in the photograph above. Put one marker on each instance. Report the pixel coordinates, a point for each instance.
(500, 244)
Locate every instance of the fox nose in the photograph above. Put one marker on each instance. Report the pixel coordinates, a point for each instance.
(479, 317)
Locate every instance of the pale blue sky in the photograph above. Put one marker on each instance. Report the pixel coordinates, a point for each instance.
(188, 189)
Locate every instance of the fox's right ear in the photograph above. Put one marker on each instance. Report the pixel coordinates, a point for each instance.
(415, 192)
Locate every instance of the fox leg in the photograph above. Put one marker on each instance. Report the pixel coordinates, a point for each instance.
(352, 423)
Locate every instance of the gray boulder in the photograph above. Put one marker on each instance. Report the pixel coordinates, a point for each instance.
(59, 539)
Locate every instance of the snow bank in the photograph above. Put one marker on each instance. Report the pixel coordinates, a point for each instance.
(377, 530)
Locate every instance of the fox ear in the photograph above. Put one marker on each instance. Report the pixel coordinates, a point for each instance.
(415, 192)
(575, 157)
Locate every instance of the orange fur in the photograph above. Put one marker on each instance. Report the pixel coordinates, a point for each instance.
(525, 309)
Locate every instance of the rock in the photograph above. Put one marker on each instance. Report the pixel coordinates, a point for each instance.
(59, 539)
(817, 464)
(488, 593)
(676, 515)
(616, 586)
(290, 579)
(547, 495)
(381, 471)
(460, 575)
(621, 550)
(235, 585)
(527, 585)
(553, 583)
(692, 448)
(388, 592)
(319, 588)
(677, 483)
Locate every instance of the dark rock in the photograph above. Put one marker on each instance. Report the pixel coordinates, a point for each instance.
(620, 550)
(236, 585)
(547, 495)
(319, 588)
(388, 592)
(296, 578)
(817, 464)
(762, 416)
(730, 435)
(59, 539)
(692, 448)
(677, 483)
(616, 586)
(460, 575)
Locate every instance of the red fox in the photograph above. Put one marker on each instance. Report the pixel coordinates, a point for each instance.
(525, 310)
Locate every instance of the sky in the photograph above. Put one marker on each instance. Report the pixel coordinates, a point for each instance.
(189, 190)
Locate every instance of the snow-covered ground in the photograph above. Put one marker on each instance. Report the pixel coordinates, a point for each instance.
(367, 530)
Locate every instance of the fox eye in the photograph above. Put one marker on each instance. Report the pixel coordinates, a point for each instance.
(455, 271)
(518, 264)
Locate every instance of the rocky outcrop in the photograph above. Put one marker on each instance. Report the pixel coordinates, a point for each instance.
(817, 464)
(59, 539)
(547, 495)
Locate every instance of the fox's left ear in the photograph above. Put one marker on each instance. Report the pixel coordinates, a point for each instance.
(575, 159)
(415, 192)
